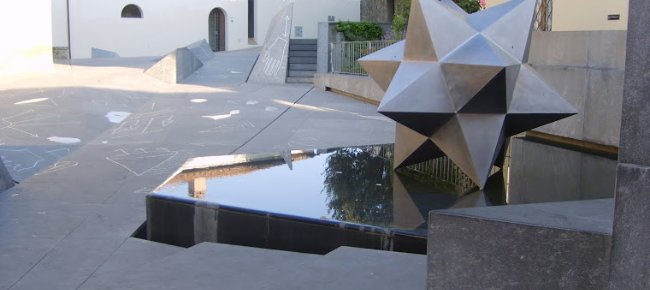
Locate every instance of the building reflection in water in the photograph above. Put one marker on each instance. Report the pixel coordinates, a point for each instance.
(358, 184)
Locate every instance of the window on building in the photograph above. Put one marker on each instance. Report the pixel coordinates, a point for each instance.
(131, 11)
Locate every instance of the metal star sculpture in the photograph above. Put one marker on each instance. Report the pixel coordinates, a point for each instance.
(459, 85)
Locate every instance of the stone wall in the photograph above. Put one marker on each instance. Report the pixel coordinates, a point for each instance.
(377, 10)
(586, 67)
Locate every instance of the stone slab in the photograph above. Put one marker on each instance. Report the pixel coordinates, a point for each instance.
(602, 111)
(201, 49)
(206, 266)
(272, 64)
(356, 86)
(545, 246)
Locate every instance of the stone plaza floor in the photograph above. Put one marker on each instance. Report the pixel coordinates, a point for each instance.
(88, 140)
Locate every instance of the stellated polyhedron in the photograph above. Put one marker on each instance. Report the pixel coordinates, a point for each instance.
(459, 84)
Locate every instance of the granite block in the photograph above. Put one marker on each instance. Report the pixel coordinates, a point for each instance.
(476, 251)
(630, 267)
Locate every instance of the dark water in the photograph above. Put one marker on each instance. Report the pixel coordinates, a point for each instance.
(357, 184)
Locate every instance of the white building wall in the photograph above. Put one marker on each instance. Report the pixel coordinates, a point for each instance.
(26, 29)
(169, 24)
(59, 23)
(165, 26)
(308, 13)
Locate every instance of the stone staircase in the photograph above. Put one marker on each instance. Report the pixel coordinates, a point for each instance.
(302, 61)
(222, 266)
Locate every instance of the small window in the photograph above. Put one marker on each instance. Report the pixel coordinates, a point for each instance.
(131, 11)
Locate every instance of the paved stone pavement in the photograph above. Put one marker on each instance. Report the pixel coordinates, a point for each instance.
(88, 141)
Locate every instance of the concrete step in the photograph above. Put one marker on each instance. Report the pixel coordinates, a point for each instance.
(300, 80)
(303, 41)
(300, 59)
(207, 266)
(294, 47)
(302, 66)
(135, 253)
(302, 53)
(354, 268)
(302, 73)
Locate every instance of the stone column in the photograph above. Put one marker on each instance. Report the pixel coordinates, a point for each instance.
(630, 262)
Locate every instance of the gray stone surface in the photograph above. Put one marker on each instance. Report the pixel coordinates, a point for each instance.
(587, 67)
(73, 213)
(201, 49)
(272, 64)
(357, 86)
(196, 268)
(377, 10)
(542, 173)
(102, 53)
(175, 66)
(323, 50)
(630, 251)
(545, 246)
(559, 49)
(630, 267)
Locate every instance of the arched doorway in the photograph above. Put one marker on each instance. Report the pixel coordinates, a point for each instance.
(217, 30)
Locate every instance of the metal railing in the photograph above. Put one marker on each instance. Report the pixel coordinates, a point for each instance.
(344, 55)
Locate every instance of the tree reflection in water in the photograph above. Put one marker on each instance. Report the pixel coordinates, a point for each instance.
(358, 185)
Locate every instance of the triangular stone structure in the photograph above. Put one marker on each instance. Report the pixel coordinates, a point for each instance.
(272, 64)
(201, 49)
(175, 66)
(6, 181)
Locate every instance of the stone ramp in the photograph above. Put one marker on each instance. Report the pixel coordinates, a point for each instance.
(562, 245)
(201, 49)
(212, 266)
(175, 66)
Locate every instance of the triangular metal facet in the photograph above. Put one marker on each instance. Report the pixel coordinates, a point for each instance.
(484, 138)
(480, 51)
(512, 31)
(482, 19)
(451, 140)
(382, 72)
(512, 73)
(519, 123)
(417, 87)
(405, 211)
(419, 45)
(446, 28)
(491, 99)
(465, 81)
(534, 95)
(382, 65)
(423, 123)
(411, 147)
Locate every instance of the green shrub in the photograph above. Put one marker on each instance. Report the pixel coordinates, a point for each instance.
(360, 31)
